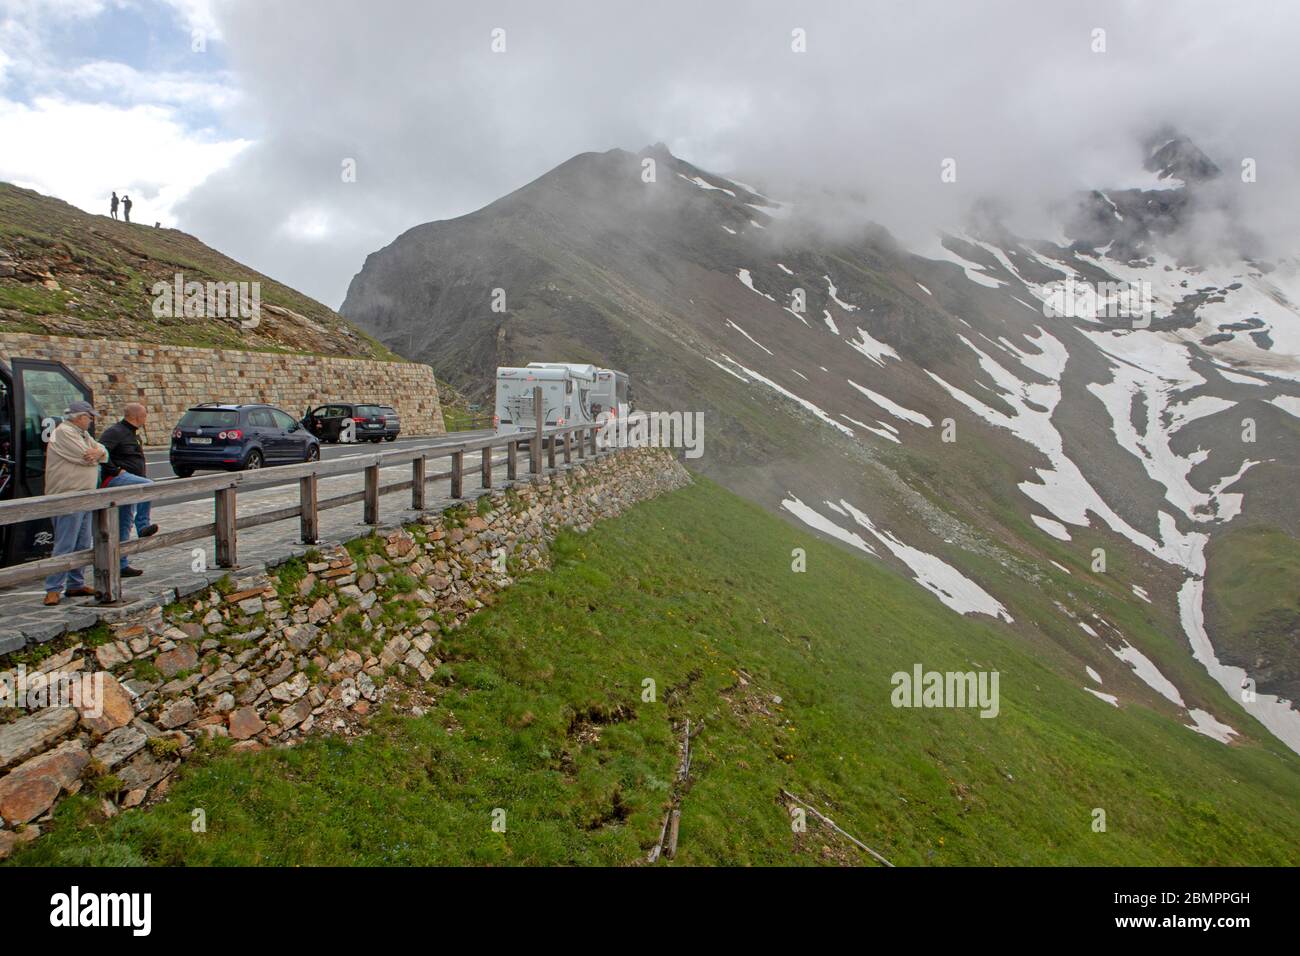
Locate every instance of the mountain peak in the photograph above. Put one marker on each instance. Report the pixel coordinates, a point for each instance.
(1174, 156)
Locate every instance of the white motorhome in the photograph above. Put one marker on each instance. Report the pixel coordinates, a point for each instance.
(572, 394)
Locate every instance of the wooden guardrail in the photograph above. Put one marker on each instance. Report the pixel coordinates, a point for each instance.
(107, 550)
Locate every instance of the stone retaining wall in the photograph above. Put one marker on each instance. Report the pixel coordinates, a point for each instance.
(168, 379)
(310, 647)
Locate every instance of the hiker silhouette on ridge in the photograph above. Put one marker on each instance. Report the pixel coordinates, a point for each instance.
(126, 208)
(112, 206)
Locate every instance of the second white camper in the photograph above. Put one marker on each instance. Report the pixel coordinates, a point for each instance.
(572, 394)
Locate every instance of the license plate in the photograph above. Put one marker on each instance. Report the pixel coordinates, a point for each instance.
(200, 441)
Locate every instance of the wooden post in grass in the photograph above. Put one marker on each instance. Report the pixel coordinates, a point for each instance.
(487, 467)
(457, 473)
(309, 520)
(372, 495)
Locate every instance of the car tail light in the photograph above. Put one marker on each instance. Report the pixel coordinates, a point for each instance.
(177, 434)
(234, 434)
(496, 420)
(560, 422)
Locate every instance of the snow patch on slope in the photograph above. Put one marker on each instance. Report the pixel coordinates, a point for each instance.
(873, 349)
(895, 409)
(945, 582)
(748, 280)
(873, 429)
(1151, 372)
(750, 337)
(1148, 673)
(792, 396)
(816, 520)
(703, 185)
(843, 305)
(1273, 712)
(1054, 528)
(1062, 488)
(973, 270)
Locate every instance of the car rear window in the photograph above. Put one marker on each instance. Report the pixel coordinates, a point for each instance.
(369, 411)
(210, 418)
(389, 410)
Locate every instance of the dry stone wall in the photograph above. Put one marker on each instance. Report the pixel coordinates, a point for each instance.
(310, 647)
(169, 379)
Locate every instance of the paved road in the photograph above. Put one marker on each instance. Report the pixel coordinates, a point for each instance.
(160, 468)
(169, 570)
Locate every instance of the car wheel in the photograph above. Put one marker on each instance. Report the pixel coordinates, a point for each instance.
(184, 472)
(390, 438)
(253, 461)
(313, 453)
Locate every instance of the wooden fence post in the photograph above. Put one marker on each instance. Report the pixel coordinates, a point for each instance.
(108, 577)
(487, 467)
(457, 473)
(550, 452)
(512, 460)
(372, 495)
(568, 447)
(417, 483)
(227, 546)
(309, 520)
(582, 443)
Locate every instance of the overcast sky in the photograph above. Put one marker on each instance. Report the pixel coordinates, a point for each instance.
(232, 120)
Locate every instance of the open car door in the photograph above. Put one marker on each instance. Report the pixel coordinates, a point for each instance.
(36, 393)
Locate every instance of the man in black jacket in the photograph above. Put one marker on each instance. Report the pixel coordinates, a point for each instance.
(126, 466)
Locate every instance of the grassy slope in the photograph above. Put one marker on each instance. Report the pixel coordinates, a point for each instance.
(688, 590)
(1253, 601)
(106, 270)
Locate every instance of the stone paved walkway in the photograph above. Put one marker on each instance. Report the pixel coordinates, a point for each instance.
(168, 571)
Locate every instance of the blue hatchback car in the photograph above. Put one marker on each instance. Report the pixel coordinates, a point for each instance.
(238, 437)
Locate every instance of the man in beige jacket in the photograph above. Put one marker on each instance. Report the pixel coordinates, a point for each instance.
(72, 460)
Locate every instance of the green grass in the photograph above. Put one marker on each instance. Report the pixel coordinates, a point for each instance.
(107, 269)
(1252, 598)
(457, 418)
(540, 713)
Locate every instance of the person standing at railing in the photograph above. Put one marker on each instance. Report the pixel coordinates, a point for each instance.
(126, 465)
(72, 460)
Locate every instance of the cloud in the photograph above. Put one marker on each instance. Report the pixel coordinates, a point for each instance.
(855, 127)
(81, 152)
(119, 82)
(78, 124)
